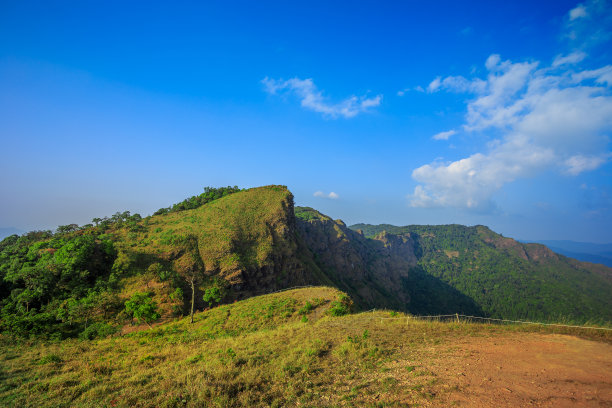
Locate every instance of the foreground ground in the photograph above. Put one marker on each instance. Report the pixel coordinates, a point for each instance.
(287, 350)
(523, 369)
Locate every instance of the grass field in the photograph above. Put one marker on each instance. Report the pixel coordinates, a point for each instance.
(284, 349)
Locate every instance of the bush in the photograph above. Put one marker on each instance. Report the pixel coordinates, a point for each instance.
(214, 294)
(50, 359)
(306, 308)
(97, 330)
(341, 307)
(142, 307)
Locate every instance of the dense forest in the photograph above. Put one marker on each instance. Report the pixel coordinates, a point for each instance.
(508, 279)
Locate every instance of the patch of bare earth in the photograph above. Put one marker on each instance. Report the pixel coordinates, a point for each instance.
(521, 370)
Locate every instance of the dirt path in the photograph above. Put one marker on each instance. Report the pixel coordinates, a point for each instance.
(522, 370)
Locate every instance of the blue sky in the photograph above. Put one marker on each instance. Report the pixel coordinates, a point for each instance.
(494, 113)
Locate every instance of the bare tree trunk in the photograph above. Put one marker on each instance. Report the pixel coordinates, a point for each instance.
(192, 297)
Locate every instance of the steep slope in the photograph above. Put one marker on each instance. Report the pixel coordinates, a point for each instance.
(78, 282)
(245, 241)
(507, 278)
(239, 245)
(583, 251)
(378, 272)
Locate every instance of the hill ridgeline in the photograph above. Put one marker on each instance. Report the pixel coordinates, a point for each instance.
(233, 244)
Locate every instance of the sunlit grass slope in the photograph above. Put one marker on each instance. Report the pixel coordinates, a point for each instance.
(244, 239)
(236, 231)
(283, 349)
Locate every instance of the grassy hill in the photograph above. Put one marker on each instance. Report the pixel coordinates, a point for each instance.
(240, 245)
(294, 348)
(230, 244)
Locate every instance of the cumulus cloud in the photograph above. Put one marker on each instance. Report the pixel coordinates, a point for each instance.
(312, 99)
(577, 12)
(542, 118)
(331, 196)
(444, 135)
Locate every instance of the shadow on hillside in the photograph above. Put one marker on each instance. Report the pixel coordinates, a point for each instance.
(432, 296)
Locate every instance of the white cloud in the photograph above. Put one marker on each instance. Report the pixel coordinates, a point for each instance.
(573, 58)
(543, 119)
(444, 135)
(579, 163)
(331, 196)
(577, 12)
(601, 75)
(492, 61)
(311, 98)
(434, 85)
(455, 84)
(589, 24)
(405, 90)
(471, 182)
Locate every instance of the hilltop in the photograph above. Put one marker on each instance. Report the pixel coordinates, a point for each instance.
(230, 244)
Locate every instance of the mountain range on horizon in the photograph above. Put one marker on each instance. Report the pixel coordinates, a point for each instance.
(583, 251)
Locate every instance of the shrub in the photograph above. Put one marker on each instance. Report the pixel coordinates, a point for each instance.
(214, 294)
(341, 307)
(50, 358)
(97, 330)
(306, 308)
(142, 307)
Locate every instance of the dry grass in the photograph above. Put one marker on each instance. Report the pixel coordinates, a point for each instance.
(271, 350)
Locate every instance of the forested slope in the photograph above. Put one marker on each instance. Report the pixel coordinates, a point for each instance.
(229, 244)
(507, 278)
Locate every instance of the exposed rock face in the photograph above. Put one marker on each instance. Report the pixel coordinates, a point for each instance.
(286, 263)
(257, 242)
(371, 269)
(539, 252)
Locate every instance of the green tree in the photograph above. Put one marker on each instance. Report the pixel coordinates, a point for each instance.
(215, 293)
(142, 307)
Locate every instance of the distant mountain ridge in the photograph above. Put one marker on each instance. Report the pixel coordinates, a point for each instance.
(583, 251)
(506, 277)
(255, 241)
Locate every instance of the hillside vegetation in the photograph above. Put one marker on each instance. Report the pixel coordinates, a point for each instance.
(507, 278)
(294, 348)
(78, 281)
(229, 244)
(380, 272)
